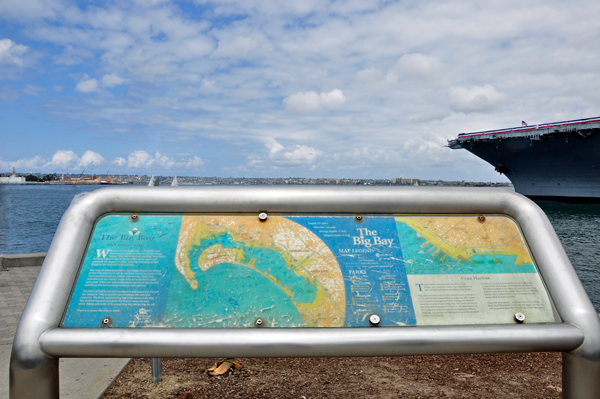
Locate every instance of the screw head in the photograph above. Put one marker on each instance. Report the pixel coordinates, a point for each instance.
(374, 319)
(259, 322)
(481, 218)
(520, 317)
(106, 322)
(358, 218)
(262, 216)
(134, 218)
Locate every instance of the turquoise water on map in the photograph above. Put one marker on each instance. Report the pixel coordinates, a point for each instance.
(266, 260)
(29, 216)
(255, 296)
(412, 249)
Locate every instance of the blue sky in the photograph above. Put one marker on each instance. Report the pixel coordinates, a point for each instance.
(365, 89)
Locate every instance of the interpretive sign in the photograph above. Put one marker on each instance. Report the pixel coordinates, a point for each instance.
(309, 270)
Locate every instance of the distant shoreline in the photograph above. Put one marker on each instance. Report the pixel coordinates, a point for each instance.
(247, 181)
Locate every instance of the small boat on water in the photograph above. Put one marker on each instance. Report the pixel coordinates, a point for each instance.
(155, 181)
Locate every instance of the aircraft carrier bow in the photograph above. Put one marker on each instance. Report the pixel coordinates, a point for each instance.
(555, 161)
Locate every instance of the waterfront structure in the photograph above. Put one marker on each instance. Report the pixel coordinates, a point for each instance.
(87, 180)
(559, 160)
(12, 179)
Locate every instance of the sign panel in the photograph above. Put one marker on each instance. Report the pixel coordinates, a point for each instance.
(189, 270)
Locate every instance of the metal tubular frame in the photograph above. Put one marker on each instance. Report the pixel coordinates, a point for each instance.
(39, 343)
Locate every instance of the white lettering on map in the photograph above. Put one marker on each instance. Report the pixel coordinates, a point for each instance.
(102, 253)
(369, 238)
(139, 237)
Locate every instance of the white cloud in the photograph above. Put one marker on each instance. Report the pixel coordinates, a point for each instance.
(418, 65)
(195, 162)
(281, 156)
(303, 103)
(352, 160)
(273, 145)
(209, 85)
(112, 80)
(136, 160)
(142, 160)
(31, 9)
(375, 80)
(217, 74)
(235, 47)
(309, 102)
(33, 90)
(476, 99)
(193, 48)
(270, 9)
(58, 89)
(73, 56)
(87, 85)
(302, 154)
(91, 158)
(14, 58)
(25, 164)
(12, 53)
(139, 159)
(333, 99)
(163, 160)
(433, 114)
(63, 159)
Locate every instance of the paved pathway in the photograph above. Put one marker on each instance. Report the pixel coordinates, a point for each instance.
(79, 378)
(15, 286)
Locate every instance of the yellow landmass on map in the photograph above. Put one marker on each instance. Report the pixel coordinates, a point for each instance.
(304, 253)
(461, 237)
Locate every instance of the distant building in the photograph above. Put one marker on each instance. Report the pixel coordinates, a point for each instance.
(93, 179)
(403, 181)
(12, 179)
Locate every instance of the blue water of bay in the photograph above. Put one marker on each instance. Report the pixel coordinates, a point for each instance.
(29, 216)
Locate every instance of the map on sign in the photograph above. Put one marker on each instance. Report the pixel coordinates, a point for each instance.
(164, 270)
(277, 270)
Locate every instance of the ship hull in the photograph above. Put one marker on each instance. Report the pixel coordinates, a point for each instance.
(561, 166)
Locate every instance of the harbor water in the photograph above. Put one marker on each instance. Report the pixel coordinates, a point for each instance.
(29, 216)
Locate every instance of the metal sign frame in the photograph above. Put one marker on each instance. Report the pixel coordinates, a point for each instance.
(39, 342)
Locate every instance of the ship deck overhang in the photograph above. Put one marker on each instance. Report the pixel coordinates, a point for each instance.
(528, 132)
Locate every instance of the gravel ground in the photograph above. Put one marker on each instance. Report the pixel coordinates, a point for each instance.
(530, 375)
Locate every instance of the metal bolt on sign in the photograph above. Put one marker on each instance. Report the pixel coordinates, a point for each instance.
(263, 216)
(374, 319)
(259, 322)
(520, 317)
(134, 218)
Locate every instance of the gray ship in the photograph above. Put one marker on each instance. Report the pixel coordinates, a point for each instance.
(555, 161)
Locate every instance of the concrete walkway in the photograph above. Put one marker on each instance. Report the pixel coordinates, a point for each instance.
(79, 378)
